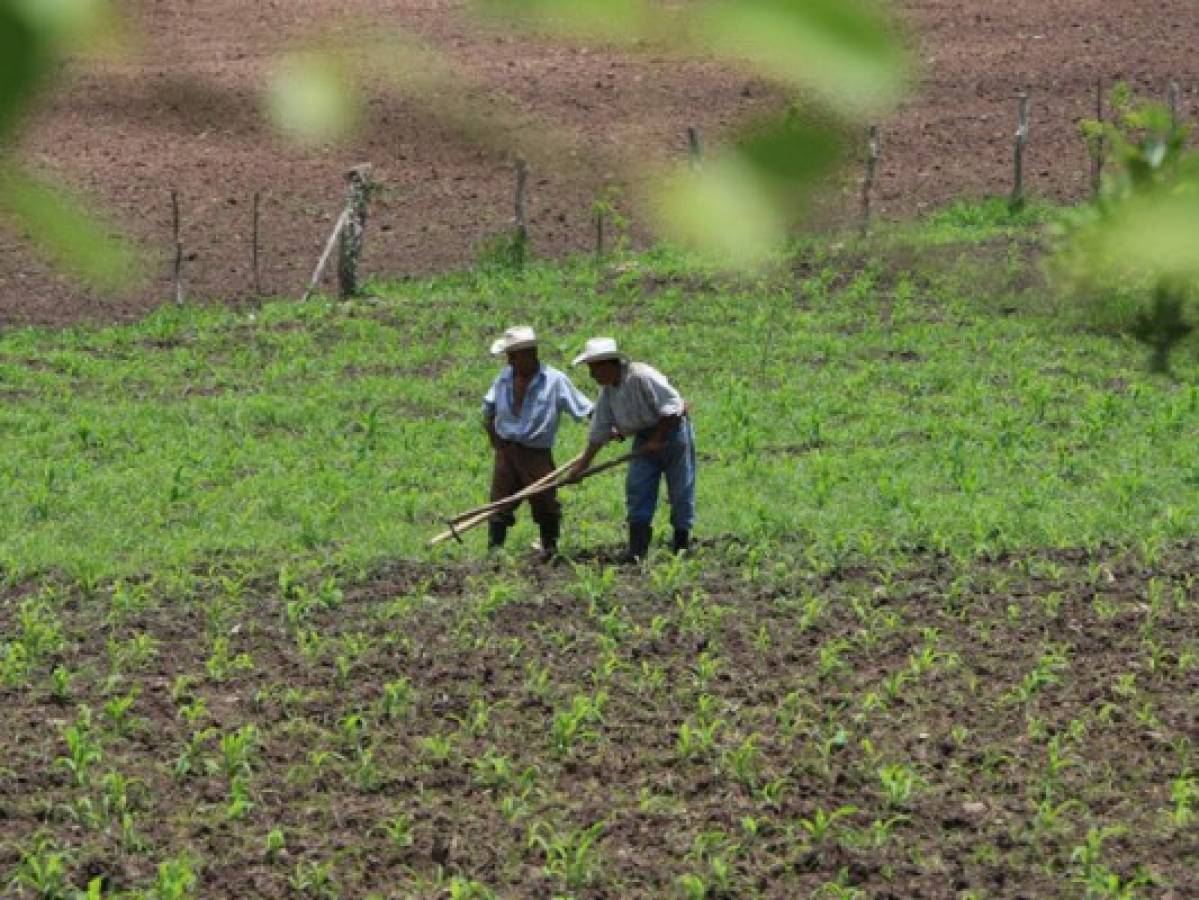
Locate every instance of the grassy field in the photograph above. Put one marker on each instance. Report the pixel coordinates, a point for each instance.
(938, 637)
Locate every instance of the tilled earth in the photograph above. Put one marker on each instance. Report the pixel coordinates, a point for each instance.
(730, 724)
(184, 114)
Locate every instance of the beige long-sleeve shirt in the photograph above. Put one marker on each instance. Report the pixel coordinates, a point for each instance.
(642, 397)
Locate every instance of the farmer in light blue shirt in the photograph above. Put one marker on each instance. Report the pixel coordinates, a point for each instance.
(520, 414)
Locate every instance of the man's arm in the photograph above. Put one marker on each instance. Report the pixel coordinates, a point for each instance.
(493, 436)
(573, 401)
(584, 462)
(600, 433)
(489, 413)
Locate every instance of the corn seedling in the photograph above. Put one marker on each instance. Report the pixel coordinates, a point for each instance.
(742, 762)
(899, 783)
(43, 870)
(352, 730)
(399, 831)
(468, 889)
(314, 879)
(237, 751)
(593, 584)
(820, 824)
(570, 727)
(770, 793)
(696, 740)
(176, 879)
(239, 804)
(1088, 855)
(83, 750)
(396, 700)
(651, 679)
(570, 857)
(274, 844)
(436, 749)
(221, 664)
(60, 684)
(1184, 793)
(116, 712)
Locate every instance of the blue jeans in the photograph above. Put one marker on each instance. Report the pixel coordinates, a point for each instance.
(677, 463)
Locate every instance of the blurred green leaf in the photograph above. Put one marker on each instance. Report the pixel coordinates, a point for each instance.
(611, 19)
(1152, 234)
(793, 150)
(73, 237)
(64, 19)
(843, 50)
(311, 97)
(739, 205)
(728, 210)
(23, 56)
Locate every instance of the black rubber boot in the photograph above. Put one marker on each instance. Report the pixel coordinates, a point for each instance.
(549, 539)
(681, 542)
(640, 534)
(497, 533)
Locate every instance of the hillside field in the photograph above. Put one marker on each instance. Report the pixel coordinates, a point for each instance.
(938, 637)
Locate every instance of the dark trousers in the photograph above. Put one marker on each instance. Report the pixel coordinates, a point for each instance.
(516, 468)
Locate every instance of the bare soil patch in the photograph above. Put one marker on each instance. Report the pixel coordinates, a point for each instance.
(184, 115)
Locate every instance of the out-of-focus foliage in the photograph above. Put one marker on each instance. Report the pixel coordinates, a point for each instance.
(1134, 247)
(841, 56)
(741, 202)
(66, 231)
(33, 35)
(21, 62)
(311, 96)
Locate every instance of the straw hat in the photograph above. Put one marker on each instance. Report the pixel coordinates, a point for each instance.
(597, 350)
(518, 337)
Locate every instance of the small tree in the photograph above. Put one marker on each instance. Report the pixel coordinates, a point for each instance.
(1137, 238)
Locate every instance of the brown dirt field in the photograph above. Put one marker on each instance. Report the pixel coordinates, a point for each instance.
(184, 114)
(1035, 699)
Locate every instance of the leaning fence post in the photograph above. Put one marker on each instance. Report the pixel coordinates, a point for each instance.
(350, 246)
(872, 154)
(1017, 198)
(177, 276)
(696, 152)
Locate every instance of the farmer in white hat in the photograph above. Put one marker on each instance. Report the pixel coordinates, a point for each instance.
(636, 400)
(520, 415)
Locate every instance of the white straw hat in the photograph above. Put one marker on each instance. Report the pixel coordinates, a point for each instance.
(597, 350)
(518, 337)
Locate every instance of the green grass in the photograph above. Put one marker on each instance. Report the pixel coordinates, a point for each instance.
(837, 412)
(230, 667)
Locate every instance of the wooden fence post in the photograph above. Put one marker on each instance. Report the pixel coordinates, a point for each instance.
(350, 246)
(254, 264)
(599, 232)
(696, 152)
(520, 218)
(872, 154)
(1173, 95)
(1097, 157)
(177, 276)
(1017, 199)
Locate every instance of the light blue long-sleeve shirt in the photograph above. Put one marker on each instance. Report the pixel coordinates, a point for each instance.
(549, 394)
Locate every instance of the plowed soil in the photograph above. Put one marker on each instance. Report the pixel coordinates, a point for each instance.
(184, 114)
(1019, 727)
